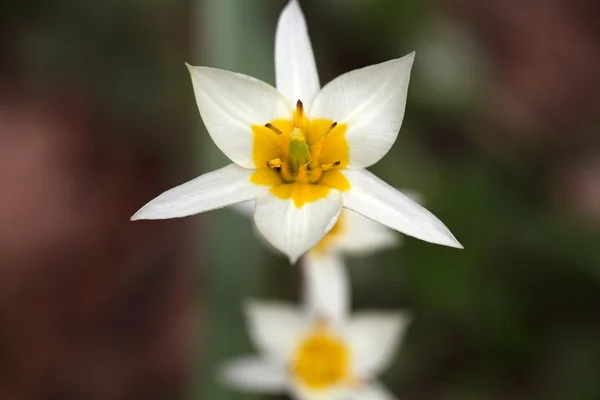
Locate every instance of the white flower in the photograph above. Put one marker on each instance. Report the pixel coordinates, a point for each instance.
(301, 152)
(315, 358)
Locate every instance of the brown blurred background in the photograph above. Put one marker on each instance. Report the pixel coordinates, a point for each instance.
(501, 137)
(91, 305)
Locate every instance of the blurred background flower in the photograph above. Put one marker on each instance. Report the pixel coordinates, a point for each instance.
(331, 356)
(97, 115)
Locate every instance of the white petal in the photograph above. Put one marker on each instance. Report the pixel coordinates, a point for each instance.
(326, 287)
(295, 68)
(294, 230)
(220, 188)
(373, 391)
(375, 199)
(371, 101)
(363, 236)
(276, 329)
(230, 104)
(373, 338)
(253, 374)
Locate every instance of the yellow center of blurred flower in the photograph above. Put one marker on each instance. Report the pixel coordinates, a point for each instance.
(322, 360)
(300, 159)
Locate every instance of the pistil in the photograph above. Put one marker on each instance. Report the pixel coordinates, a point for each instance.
(298, 151)
(300, 161)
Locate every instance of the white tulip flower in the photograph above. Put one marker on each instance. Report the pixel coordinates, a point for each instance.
(300, 151)
(315, 358)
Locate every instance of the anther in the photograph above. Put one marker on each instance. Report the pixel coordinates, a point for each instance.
(274, 163)
(328, 131)
(273, 128)
(327, 167)
(299, 114)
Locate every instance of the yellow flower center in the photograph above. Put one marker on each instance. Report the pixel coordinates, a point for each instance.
(300, 159)
(321, 360)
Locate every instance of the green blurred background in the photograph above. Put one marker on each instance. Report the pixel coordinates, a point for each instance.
(500, 137)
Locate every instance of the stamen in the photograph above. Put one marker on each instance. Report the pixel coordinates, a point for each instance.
(327, 167)
(286, 174)
(328, 131)
(274, 163)
(273, 128)
(299, 114)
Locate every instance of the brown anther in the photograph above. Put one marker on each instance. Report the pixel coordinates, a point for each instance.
(327, 167)
(299, 114)
(273, 128)
(328, 131)
(274, 163)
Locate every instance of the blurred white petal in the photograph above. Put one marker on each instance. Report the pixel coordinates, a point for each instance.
(326, 286)
(363, 236)
(246, 208)
(373, 391)
(276, 328)
(413, 195)
(253, 374)
(373, 338)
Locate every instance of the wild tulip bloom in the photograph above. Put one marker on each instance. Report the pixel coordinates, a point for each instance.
(316, 358)
(300, 151)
